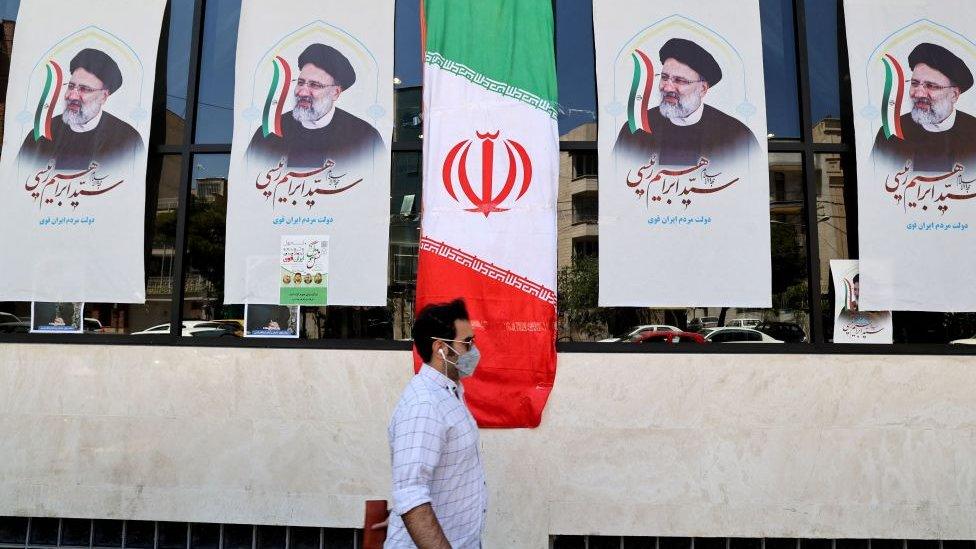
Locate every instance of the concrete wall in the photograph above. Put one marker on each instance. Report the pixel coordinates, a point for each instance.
(685, 445)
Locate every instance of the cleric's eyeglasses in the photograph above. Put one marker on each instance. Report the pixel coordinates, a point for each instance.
(677, 80)
(81, 88)
(929, 86)
(313, 85)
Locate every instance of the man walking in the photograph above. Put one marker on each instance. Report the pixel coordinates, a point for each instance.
(439, 492)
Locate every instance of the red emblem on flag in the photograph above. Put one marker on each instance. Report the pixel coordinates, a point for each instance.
(487, 202)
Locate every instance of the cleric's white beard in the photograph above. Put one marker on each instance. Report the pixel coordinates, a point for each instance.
(937, 112)
(683, 108)
(312, 113)
(84, 115)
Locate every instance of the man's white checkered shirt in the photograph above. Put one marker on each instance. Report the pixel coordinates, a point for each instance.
(434, 452)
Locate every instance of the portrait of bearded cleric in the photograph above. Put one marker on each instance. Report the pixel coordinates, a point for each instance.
(936, 136)
(317, 131)
(85, 133)
(684, 127)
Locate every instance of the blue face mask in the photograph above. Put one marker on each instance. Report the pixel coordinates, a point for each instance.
(466, 363)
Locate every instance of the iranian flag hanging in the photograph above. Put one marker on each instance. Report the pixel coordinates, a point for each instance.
(491, 166)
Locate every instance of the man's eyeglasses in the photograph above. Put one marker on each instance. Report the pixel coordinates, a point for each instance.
(312, 84)
(82, 89)
(929, 86)
(677, 80)
(466, 342)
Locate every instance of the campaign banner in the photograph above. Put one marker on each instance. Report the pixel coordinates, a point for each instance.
(851, 323)
(911, 68)
(491, 169)
(274, 321)
(313, 120)
(57, 318)
(684, 180)
(73, 166)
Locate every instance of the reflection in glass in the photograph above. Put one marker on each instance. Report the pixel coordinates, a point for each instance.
(215, 109)
(575, 69)
(177, 67)
(779, 64)
(832, 230)
(825, 77)
(162, 197)
(204, 312)
(578, 278)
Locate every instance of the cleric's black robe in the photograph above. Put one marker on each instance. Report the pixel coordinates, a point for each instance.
(716, 136)
(345, 140)
(929, 151)
(111, 142)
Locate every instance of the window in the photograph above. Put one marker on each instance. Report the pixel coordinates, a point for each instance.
(812, 195)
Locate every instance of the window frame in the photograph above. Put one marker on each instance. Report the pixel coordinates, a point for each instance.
(805, 146)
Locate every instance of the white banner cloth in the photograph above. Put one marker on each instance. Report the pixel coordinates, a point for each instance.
(684, 185)
(313, 119)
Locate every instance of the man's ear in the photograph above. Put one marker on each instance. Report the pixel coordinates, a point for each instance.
(705, 88)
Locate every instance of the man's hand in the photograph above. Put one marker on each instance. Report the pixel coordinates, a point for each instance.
(380, 525)
(424, 529)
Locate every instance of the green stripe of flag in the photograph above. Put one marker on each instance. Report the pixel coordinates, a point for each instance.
(506, 40)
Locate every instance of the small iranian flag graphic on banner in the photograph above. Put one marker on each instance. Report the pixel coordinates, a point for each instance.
(48, 101)
(640, 92)
(491, 167)
(894, 94)
(277, 94)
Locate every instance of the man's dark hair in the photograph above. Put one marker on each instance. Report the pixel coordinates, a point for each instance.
(436, 320)
(855, 278)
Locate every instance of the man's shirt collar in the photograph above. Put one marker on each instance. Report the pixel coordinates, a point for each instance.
(440, 379)
(321, 122)
(945, 125)
(87, 126)
(691, 119)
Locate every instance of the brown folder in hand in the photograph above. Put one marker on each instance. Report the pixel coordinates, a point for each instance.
(375, 513)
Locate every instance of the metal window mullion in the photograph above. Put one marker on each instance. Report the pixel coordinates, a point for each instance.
(186, 169)
(848, 162)
(809, 183)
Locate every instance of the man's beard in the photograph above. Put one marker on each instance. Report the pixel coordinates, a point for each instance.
(684, 106)
(85, 113)
(937, 112)
(311, 113)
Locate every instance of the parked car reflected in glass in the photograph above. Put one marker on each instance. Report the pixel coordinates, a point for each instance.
(630, 334)
(726, 334)
(789, 332)
(743, 322)
(669, 337)
(964, 341)
(200, 328)
(698, 324)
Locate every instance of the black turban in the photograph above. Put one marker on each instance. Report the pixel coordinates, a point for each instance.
(943, 61)
(331, 61)
(101, 65)
(693, 55)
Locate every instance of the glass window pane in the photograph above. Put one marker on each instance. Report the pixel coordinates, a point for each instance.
(575, 70)
(76, 532)
(407, 71)
(215, 108)
(162, 198)
(205, 261)
(779, 64)
(578, 278)
(833, 196)
(177, 67)
(825, 76)
(140, 534)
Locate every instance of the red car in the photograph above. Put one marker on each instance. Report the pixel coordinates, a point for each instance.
(670, 337)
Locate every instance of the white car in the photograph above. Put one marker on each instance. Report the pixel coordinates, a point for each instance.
(189, 328)
(638, 330)
(743, 323)
(967, 341)
(728, 334)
